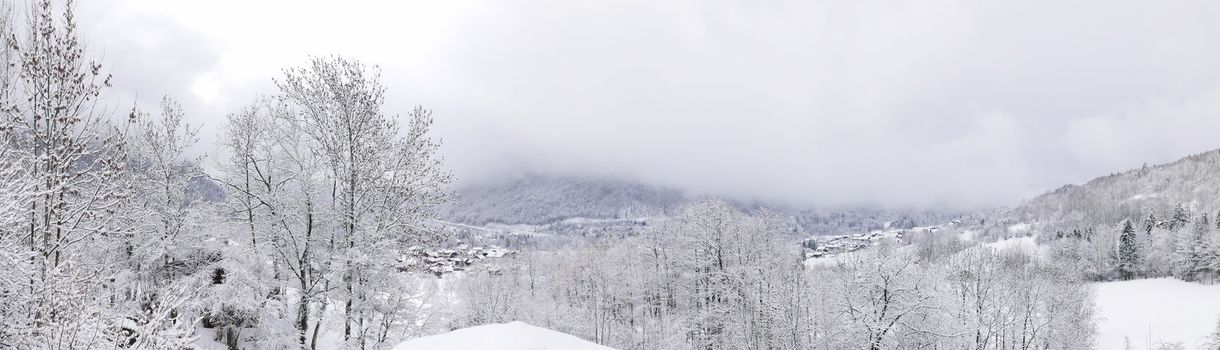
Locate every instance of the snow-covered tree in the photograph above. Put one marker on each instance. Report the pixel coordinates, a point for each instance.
(279, 204)
(163, 251)
(1212, 341)
(15, 192)
(1180, 218)
(978, 281)
(733, 261)
(1160, 252)
(77, 171)
(1150, 222)
(330, 190)
(886, 300)
(385, 184)
(1129, 259)
(1194, 254)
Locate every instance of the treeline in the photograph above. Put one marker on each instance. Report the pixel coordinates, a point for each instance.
(1179, 244)
(713, 277)
(106, 242)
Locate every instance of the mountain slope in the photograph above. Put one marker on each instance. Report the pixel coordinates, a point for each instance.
(1193, 181)
(556, 201)
(537, 199)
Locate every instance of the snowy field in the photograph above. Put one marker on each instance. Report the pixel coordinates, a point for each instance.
(1169, 310)
(504, 336)
(1028, 244)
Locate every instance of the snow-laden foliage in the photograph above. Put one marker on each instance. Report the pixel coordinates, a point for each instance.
(67, 199)
(1151, 222)
(714, 277)
(1184, 246)
(111, 236)
(329, 191)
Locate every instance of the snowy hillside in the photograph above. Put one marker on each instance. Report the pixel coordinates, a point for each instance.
(538, 199)
(1191, 181)
(504, 336)
(570, 204)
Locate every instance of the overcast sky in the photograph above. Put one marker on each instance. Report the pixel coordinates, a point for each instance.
(901, 103)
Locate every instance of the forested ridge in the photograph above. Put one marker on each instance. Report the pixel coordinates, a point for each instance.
(541, 200)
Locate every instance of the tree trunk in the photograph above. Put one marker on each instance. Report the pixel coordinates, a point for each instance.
(303, 317)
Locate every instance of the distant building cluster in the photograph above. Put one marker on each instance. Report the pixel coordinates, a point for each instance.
(440, 261)
(826, 246)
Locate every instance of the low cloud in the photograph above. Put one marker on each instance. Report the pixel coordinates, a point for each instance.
(925, 103)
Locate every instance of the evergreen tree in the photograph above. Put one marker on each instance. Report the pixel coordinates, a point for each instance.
(1193, 251)
(1149, 223)
(1210, 254)
(1217, 219)
(1180, 218)
(1128, 252)
(1203, 249)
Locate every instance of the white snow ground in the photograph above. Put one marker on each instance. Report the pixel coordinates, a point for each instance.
(1172, 311)
(1028, 244)
(503, 336)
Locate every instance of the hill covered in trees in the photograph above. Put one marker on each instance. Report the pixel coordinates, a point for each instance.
(1154, 221)
(547, 199)
(1191, 182)
(541, 199)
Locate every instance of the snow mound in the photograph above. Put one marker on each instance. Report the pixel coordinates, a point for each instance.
(1169, 310)
(503, 336)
